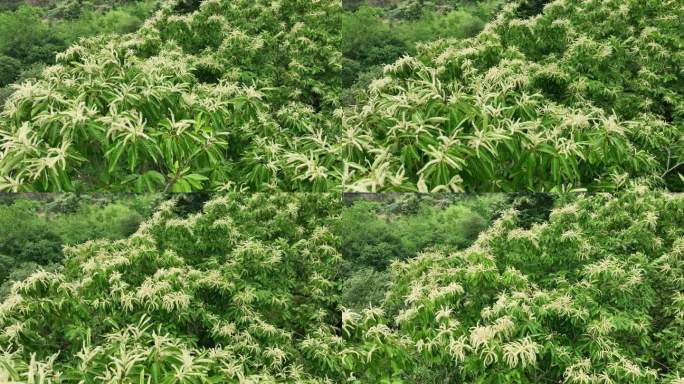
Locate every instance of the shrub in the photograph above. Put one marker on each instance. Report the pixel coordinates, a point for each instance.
(6, 264)
(9, 70)
(34, 232)
(113, 221)
(529, 8)
(375, 234)
(25, 37)
(26, 237)
(5, 93)
(364, 288)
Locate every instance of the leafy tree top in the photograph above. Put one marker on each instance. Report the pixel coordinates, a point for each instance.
(190, 101)
(240, 291)
(588, 94)
(594, 295)
(243, 95)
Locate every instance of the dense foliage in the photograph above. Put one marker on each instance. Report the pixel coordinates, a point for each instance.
(240, 292)
(33, 232)
(30, 36)
(589, 94)
(594, 295)
(245, 95)
(233, 94)
(324, 95)
(250, 290)
(375, 234)
(376, 36)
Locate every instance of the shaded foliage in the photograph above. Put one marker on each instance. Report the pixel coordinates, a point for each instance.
(379, 230)
(529, 8)
(32, 34)
(9, 70)
(375, 234)
(374, 36)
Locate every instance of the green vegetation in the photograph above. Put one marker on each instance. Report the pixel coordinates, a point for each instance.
(593, 295)
(270, 288)
(587, 95)
(374, 36)
(377, 233)
(222, 97)
(245, 95)
(31, 36)
(230, 96)
(242, 291)
(33, 232)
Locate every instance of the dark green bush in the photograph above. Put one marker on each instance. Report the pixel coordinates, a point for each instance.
(374, 234)
(530, 8)
(113, 221)
(10, 5)
(26, 236)
(9, 70)
(365, 287)
(374, 36)
(368, 40)
(31, 36)
(368, 241)
(18, 272)
(6, 264)
(187, 6)
(5, 93)
(24, 36)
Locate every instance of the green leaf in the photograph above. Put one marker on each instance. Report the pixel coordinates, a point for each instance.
(181, 186)
(195, 180)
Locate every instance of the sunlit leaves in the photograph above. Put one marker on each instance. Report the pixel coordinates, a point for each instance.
(546, 103)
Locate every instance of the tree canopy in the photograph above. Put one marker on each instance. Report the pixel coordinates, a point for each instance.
(588, 94)
(220, 97)
(593, 295)
(243, 290)
(249, 290)
(245, 95)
